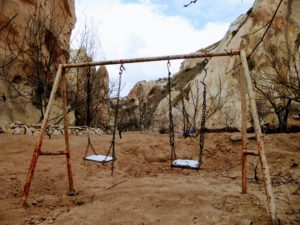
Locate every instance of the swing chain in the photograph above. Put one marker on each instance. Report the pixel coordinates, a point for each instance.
(122, 68)
(171, 125)
(203, 119)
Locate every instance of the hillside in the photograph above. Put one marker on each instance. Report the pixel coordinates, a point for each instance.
(280, 47)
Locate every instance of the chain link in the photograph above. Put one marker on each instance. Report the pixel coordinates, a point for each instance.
(171, 125)
(122, 68)
(203, 119)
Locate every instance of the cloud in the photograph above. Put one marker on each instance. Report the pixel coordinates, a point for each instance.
(141, 29)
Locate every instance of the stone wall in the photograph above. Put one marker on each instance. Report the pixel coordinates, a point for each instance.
(19, 128)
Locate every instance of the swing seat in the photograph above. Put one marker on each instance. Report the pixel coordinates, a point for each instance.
(186, 164)
(99, 158)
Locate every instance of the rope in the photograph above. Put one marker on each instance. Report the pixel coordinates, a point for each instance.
(203, 119)
(89, 145)
(171, 125)
(112, 146)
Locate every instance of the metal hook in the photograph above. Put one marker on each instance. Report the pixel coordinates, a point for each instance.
(169, 65)
(122, 68)
(229, 52)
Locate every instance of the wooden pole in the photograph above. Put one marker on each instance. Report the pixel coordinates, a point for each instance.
(152, 59)
(66, 133)
(39, 143)
(244, 132)
(260, 141)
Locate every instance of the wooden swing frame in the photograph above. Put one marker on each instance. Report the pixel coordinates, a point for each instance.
(246, 87)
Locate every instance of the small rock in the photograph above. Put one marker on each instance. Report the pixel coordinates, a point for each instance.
(11, 125)
(28, 130)
(22, 130)
(56, 132)
(17, 131)
(19, 123)
(9, 131)
(238, 137)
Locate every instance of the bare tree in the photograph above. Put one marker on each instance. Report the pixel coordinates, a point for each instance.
(36, 55)
(278, 81)
(89, 89)
(141, 105)
(228, 116)
(192, 101)
(290, 83)
(185, 118)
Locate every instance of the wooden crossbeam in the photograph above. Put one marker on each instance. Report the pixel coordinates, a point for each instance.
(52, 153)
(155, 58)
(251, 152)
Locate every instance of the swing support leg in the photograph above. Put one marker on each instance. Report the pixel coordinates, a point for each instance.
(244, 132)
(260, 141)
(37, 149)
(66, 133)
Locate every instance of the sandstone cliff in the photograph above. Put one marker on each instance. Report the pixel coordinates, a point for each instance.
(34, 39)
(88, 91)
(280, 47)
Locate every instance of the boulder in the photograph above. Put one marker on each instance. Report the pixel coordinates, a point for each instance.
(238, 137)
(17, 131)
(19, 123)
(28, 130)
(56, 132)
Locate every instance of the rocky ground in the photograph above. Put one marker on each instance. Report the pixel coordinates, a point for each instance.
(144, 190)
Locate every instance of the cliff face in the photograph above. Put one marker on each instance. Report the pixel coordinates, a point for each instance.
(88, 91)
(280, 46)
(34, 39)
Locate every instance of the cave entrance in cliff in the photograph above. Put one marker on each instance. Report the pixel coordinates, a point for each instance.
(245, 88)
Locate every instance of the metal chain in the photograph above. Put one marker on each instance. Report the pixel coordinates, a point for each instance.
(171, 125)
(122, 68)
(203, 119)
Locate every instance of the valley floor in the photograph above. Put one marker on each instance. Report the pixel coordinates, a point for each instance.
(144, 189)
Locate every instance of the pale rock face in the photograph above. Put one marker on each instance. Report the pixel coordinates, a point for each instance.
(285, 29)
(13, 106)
(98, 81)
(142, 102)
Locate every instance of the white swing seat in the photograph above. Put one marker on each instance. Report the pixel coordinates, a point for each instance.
(186, 163)
(99, 158)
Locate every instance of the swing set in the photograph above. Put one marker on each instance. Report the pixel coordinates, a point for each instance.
(106, 158)
(245, 88)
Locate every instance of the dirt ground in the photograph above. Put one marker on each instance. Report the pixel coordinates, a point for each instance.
(144, 189)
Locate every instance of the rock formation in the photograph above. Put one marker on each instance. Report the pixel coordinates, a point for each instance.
(280, 47)
(88, 92)
(34, 39)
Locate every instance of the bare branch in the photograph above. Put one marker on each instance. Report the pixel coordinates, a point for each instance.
(8, 22)
(191, 2)
(266, 31)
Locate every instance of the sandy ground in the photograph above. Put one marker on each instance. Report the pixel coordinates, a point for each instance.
(144, 189)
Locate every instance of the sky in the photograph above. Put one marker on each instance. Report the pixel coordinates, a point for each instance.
(141, 28)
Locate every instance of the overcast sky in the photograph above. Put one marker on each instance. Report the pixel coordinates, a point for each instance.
(141, 28)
